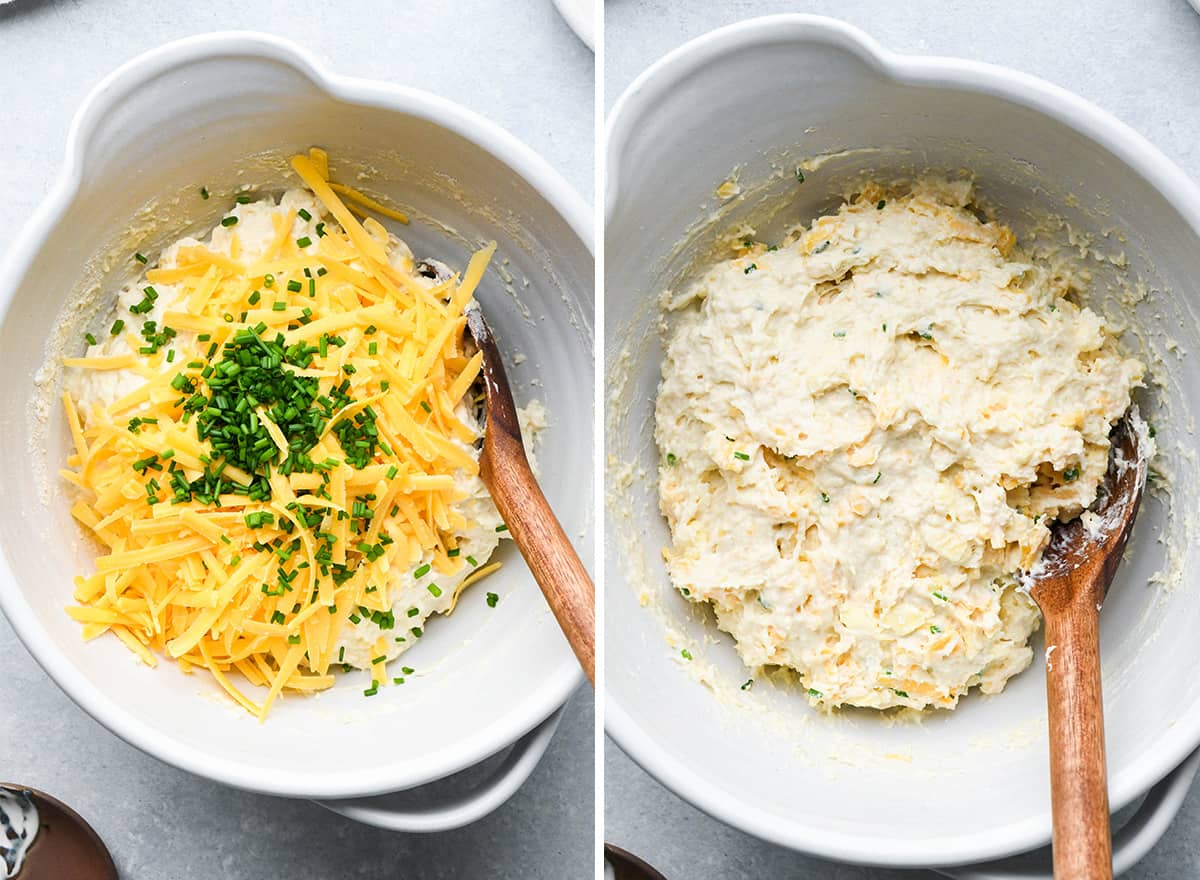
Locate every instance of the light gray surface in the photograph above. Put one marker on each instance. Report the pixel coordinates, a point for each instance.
(1142, 64)
(516, 63)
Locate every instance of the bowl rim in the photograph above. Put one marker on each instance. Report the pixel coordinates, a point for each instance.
(552, 691)
(1099, 126)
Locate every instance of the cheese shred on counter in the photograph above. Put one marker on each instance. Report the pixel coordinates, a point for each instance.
(275, 446)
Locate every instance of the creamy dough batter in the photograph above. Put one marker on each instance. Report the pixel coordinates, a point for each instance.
(868, 430)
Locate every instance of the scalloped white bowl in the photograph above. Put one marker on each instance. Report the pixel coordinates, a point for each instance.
(226, 109)
(754, 100)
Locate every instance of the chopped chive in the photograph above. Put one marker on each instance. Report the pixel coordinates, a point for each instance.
(493, 599)
(813, 692)
(407, 670)
(749, 683)
(471, 562)
(502, 528)
(304, 215)
(398, 680)
(935, 629)
(375, 661)
(1071, 474)
(372, 690)
(671, 459)
(91, 340)
(277, 617)
(320, 230)
(204, 192)
(881, 204)
(900, 693)
(268, 280)
(941, 596)
(686, 654)
(294, 286)
(825, 497)
(425, 406)
(839, 334)
(453, 553)
(877, 476)
(141, 258)
(741, 455)
(294, 640)
(229, 221)
(422, 571)
(255, 297)
(799, 175)
(303, 242)
(391, 472)
(435, 590)
(749, 268)
(278, 306)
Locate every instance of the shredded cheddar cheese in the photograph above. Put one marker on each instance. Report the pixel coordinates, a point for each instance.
(293, 441)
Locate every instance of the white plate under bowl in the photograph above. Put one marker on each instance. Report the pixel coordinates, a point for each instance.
(754, 100)
(224, 110)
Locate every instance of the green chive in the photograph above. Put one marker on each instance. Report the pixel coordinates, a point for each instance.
(304, 215)
(748, 684)
(877, 476)
(881, 205)
(435, 590)
(941, 596)
(91, 340)
(799, 175)
(741, 455)
(935, 629)
(493, 599)
(229, 221)
(900, 693)
(140, 258)
(255, 297)
(425, 406)
(278, 306)
(204, 192)
(749, 269)
(422, 571)
(1071, 474)
(825, 497)
(687, 655)
(293, 640)
(375, 661)
(671, 459)
(453, 553)
(303, 242)
(294, 286)
(813, 692)
(268, 280)
(502, 528)
(471, 562)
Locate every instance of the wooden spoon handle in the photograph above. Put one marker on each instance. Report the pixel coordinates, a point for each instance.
(545, 546)
(1078, 778)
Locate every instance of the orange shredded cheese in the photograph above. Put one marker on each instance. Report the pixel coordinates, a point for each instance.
(253, 575)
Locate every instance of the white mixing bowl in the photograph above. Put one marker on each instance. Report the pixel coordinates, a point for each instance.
(753, 101)
(224, 110)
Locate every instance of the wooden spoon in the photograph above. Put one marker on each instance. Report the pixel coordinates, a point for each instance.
(1069, 585)
(505, 471)
(48, 840)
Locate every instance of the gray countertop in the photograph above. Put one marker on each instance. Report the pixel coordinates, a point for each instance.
(160, 822)
(1139, 61)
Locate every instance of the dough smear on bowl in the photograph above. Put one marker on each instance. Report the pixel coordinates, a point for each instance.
(867, 430)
